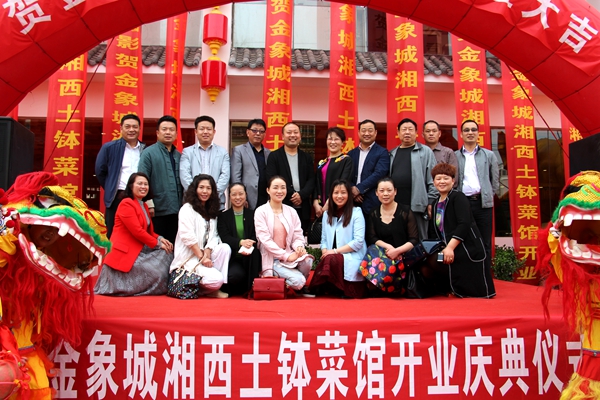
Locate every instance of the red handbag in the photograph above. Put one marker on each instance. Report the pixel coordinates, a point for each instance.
(269, 287)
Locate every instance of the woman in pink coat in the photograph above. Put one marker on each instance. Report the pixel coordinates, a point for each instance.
(280, 237)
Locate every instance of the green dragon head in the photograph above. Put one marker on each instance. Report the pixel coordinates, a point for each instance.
(59, 235)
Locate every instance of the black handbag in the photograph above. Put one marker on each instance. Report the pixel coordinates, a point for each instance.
(184, 284)
(416, 285)
(314, 235)
(421, 251)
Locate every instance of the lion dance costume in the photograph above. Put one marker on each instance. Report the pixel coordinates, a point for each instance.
(569, 254)
(50, 242)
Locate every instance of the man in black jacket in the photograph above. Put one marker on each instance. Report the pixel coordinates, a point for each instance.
(297, 169)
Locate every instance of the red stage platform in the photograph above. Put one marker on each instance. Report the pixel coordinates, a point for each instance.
(323, 348)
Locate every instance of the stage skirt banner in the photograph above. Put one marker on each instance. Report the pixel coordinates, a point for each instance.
(405, 78)
(176, 28)
(343, 96)
(470, 88)
(123, 88)
(277, 92)
(420, 358)
(570, 134)
(65, 125)
(523, 172)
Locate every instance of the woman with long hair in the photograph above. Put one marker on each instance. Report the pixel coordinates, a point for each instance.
(391, 232)
(138, 263)
(236, 228)
(198, 243)
(342, 245)
(336, 166)
(463, 270)
(280, 238)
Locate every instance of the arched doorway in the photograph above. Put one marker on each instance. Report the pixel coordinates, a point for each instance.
(554, 43)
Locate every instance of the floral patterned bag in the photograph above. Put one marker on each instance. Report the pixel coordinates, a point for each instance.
(383, 272)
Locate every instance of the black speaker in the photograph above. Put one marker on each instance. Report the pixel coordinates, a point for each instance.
(584, 155)
(16, 151)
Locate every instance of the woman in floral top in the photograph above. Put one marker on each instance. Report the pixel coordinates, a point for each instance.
(336, 166)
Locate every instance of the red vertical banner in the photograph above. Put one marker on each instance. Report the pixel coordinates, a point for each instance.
(65, 125)
(405, 78)
(521, 155)
(570, 134)
(176, 28)
(277, 92)
(470, 88)
(343, 99)
(123, 89)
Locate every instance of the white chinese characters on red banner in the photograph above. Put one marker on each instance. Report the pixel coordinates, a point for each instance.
(522, 160)
(470, 88)
(335, 362)
(65, 126)
(405, 78)
(277, 94)
(343, 99)
(123, 89)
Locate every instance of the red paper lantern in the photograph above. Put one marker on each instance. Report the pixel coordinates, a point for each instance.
(215, 30)
(214, 77)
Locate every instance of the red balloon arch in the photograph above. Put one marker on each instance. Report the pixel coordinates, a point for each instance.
(555, 43)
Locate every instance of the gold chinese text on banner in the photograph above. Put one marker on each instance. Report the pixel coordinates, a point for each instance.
(470, 88)
(521, 154)
(65, 126)
(405, 78)
(123, 90)
(343, 101)
(570, 134)
(176, 28)
(277, 95)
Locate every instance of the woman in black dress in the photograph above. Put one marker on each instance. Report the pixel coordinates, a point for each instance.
(236, 228)
(464, 270)
(391, 232)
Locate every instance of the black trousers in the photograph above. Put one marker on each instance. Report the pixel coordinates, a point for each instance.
(166, 226)
(484, 220)
(110, 212)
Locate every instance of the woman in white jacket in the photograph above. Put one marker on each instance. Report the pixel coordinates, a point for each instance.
(198, 242)
(280, 237)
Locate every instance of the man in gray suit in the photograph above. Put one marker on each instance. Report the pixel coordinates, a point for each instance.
(205, 157)
(249, 164)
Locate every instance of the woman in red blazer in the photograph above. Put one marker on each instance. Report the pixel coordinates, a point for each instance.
(138, 263)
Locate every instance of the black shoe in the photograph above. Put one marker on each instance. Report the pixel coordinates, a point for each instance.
(305, 292)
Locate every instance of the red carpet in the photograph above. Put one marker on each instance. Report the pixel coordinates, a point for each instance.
(164, 348)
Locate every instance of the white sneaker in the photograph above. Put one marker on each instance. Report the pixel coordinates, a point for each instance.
(217, 294)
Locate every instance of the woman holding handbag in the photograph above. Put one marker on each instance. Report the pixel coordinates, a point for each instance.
(280, 238)
(138, 262)
(391, 232)
(342, 246)
(463, 270)
(236, 229)
(198, 247)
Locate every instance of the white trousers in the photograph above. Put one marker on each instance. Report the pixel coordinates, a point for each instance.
(295, 277)
(214, 277)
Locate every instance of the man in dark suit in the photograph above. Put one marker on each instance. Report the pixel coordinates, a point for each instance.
(371, 163)
(297, 169)
(249, 164)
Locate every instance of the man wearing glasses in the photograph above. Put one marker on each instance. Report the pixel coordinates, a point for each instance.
(410, 169)
(478, 179)
(249, 164)
(205, 157)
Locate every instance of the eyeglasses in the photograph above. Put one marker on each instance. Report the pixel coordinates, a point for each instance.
(407, 129)
(467, 130)
(259, 131)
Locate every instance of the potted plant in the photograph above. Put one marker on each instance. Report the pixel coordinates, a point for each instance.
(505, 263)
